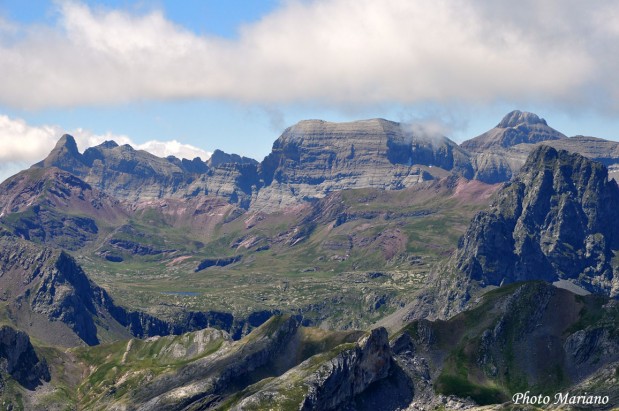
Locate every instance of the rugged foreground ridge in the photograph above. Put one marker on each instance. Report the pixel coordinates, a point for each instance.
(526, 336)
(557, 220)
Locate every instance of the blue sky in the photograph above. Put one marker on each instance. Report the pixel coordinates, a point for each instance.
(233, 74)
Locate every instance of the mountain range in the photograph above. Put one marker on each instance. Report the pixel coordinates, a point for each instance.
(361, 265)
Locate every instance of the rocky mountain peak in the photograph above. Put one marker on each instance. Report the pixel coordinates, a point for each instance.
(67, 143)
(557, 220)
(65, 155)
(517, 117)
(517, 127)
(109, 144)
(219, 157)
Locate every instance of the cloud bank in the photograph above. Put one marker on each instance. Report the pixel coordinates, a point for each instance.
(333, 52)
(23, 145)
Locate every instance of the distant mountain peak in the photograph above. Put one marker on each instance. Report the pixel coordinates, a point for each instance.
(64, 155)
(517, 127)
(108, 144)
(67, 142)
(219, 157)
(517, 117)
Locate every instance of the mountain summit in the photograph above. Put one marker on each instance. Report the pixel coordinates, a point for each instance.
(517, 117)
(516, 127)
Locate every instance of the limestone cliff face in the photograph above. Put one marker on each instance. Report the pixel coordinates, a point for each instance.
(315, 157)
(137, 176)
(556, 220)
(328, 381)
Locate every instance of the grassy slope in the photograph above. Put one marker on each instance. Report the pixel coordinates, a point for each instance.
(326, 274)
(98, 377)
(522, 358)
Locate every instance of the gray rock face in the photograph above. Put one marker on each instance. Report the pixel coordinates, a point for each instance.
(219, 157)
(349, 373)
(556, 220)
(19, 360)
(315, 157)
(137, 176)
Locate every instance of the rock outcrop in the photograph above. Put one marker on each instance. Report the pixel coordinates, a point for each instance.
(556, 220)
(526, 336)
(329, 380)
(219, 157)
(19, 359)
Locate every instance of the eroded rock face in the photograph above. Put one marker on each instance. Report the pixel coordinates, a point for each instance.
(137, 176)
(327, 381)
(349, 373)
(19, 360)
(556, 220)
(315, 157)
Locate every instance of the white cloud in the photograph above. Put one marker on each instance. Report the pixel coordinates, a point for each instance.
(85, 139)
(174, 148)
(337, 52)
(20, 142)
(22, 145)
